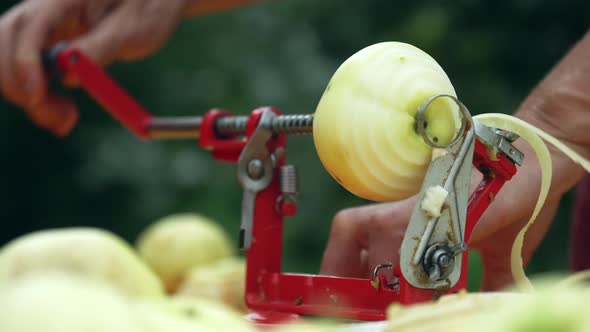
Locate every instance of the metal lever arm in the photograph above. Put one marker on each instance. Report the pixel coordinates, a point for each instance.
(255, 173)
(72, 63)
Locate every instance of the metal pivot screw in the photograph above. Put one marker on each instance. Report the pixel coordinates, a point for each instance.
(255, 169)
(444, 260)
(439, 260)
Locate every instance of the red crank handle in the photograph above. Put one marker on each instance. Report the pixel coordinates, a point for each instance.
(68, 63)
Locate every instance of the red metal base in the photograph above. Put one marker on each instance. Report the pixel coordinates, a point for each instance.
(270, 319)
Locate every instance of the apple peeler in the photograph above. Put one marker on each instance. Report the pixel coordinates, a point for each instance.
(433, 255)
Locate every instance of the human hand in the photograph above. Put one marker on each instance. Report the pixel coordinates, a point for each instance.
(106, 30)
(361, 238)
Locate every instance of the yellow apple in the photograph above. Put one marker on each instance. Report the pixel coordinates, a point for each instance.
(58, 301)
(174, 244)
(90, 252)
(222, 281)
(364, 127)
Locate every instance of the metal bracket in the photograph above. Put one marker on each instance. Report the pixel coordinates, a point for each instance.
(499, 141)
(427, 235)
(255, 173)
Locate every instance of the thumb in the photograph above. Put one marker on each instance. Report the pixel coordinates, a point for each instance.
(104, 43)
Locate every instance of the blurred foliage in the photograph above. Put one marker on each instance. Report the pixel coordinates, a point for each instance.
(279, 53)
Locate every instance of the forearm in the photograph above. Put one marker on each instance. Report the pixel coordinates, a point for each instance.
(198, 7)
(560, 105)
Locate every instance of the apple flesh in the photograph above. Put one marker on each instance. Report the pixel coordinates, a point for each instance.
(364, 126)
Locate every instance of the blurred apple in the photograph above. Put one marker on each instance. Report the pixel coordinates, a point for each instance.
(189, 314)
(175, 244)
(90, 252)
(58, 301)
(222, 281)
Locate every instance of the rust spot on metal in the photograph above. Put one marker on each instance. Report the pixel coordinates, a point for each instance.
(491, 197)
(298, 301)
(450, 236)
(441, 290)
(421, 276)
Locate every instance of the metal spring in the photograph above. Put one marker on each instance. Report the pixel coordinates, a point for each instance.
(289, 183)
(282, 124)
(232, 125)
(293, 124)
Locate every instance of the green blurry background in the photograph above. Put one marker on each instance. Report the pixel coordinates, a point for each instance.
(279, 53)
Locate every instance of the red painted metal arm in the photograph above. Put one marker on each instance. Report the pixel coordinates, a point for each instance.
(73, 64)
(495, 174)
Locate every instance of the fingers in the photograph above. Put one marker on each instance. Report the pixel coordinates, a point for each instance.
(374, 231)
(116, 30)
(10, 25)
(56, 114)
(27, 51)
(386, 234)
(130, 30)
(23, 33)
(345, 252)
(104, 42)
(496, 251)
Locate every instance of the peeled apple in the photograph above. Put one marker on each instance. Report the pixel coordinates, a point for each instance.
(550, 308)
(176, 243)
(57, 301)
(89, 252)
(449, 313)
(189, 315)
(364, 125)
(365, 129)
(222, 281)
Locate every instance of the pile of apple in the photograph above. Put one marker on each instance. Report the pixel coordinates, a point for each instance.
(183, 274)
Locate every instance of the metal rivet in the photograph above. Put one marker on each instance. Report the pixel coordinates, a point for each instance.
(255, 169)
(444, 261)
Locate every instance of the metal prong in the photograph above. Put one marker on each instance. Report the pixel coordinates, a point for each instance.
(387, 265)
